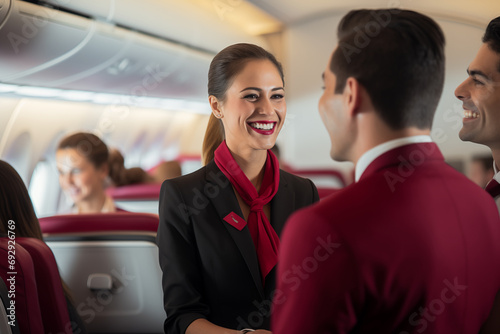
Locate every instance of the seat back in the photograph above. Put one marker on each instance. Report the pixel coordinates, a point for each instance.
(50, 291)
(17, 271)
(135, 191)
(99, 223)
(112, 270)
(7, 325)
(137, 197)
(327, 178)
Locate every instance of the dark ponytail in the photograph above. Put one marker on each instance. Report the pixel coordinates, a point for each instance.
(121, 176)
(223, 69)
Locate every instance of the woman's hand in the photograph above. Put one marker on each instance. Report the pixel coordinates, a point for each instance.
(203, 326)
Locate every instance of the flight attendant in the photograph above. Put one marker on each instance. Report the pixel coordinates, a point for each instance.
(82, 162)
(219, 226)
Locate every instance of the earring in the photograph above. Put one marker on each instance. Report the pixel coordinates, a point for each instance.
(218, 115)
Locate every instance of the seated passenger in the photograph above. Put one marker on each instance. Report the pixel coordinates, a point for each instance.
(122, 176)
(166, 170)
(16, 205)
(82, 162)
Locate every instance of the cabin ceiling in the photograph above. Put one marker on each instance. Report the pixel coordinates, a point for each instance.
(291, 12)
(165, 51)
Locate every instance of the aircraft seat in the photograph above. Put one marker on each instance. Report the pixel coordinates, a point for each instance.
(5, 327)
(54, 309)
(110, 263)
(137, 197)
(135, 191)
(19, 276)
(99, 223)
(327, 181)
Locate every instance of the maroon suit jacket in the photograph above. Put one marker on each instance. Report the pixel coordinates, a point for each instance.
(413, 247)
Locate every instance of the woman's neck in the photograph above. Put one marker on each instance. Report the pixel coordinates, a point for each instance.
(92, 205)
(251, 163)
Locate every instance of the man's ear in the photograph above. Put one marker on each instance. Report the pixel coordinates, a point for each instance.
(215, 104)
(352, 96)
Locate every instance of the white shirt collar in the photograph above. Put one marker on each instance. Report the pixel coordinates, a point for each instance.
(373, 153)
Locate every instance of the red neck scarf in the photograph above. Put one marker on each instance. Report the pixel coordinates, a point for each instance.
(264, 237)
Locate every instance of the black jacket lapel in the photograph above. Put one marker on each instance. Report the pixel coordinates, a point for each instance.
(282, 205)
(225, 202)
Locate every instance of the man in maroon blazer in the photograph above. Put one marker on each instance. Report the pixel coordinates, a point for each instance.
(480, 94)
(412, 246)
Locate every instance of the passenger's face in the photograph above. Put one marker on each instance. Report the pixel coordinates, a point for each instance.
(254, 108)
(78, 177)
(332, 111)
(480, 94)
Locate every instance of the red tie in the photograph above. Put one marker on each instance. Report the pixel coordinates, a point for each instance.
(493, 188)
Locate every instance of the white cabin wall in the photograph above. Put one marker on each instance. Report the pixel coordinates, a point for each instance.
(30, 130)
(308, 46)
(43, 122)
(304, 141)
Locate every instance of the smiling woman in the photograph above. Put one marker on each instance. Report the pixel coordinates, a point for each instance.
(82, 163)
(219, 227)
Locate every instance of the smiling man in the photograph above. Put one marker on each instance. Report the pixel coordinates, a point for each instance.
(480, 94)
(412, 246)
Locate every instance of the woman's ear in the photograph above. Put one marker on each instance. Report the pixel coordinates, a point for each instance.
(103, 171)
(216, 105)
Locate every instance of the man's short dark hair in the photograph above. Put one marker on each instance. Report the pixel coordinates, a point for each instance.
(492, 36)
(398, 57)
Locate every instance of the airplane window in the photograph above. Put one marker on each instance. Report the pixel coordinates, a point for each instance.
(44, 177)
(189, 166)
(18, 154)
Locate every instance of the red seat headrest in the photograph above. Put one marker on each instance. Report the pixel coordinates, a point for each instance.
(100, 222)
(141, 191)
(54, 312)
(21, 272)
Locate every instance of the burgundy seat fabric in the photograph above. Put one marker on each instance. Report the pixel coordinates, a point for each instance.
(100, 222)
(50, 292)
(148, 191)
(333, 174)
(27, 307)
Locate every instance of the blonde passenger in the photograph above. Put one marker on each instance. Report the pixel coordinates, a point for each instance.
(166, 170)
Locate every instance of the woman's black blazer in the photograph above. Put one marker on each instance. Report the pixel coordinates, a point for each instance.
(210, 268)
